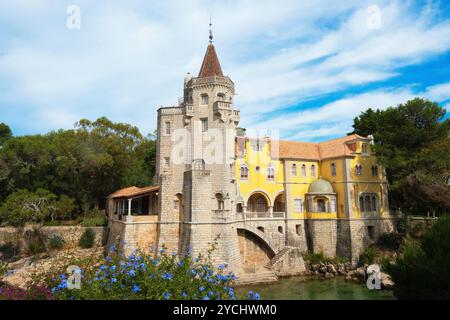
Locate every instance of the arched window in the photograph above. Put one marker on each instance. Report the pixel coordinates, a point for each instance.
(313, 170)
(333, 169)
(303, 170)
(294, 170)
(280, 229)
(204, 98)
(368, 202)
(243, 172)
(220, 201)
(374, 171)
(364, 148)
(199, 164)
(358, 170)
(321, 205)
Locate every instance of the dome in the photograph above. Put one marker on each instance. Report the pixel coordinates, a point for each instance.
(320, 186)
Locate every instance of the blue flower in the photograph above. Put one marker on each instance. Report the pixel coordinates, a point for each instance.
(112, 248)
(167, 276)
(256, 296)
(210, 293)
(166, 295)
(136, 288)
(103, 267)
(108, 259)
(222, 266)
(113, 268)
(201, 289)
(180, 263)
(113, 280)
(193, 272)
(62, 276)
(174, 254)
(184, 294)
(132, 273)
(122, 263)
(205, 298)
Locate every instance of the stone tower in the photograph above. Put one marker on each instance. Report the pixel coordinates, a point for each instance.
(196, 169)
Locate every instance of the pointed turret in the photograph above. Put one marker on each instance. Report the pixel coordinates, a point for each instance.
(211, 65)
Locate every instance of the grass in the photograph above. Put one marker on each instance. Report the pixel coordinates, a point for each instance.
(315, 258)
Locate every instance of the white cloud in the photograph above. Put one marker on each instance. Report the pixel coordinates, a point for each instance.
(130, 58)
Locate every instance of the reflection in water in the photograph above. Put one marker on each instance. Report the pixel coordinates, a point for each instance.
(307, 288)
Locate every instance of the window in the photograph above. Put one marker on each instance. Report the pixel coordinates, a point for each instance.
(244, 172)
(321, 205)
(294, 170)
(270, 173)
(261, 229)
(313, 170)
(371, 232)
(374, 171)
(204, 98)
(168, 127)
(280, 229)
(333, 169)
(298, 205)
(204, 124)
(220, 202)
(364, 148)
(303, 170)
(239, 208)
(358, 170)
(167, 161)
(221, 96)
(368, 202)
(298, 229)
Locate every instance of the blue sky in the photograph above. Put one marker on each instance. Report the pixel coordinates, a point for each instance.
(306, 68)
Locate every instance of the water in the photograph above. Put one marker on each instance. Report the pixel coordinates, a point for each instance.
(308, 288)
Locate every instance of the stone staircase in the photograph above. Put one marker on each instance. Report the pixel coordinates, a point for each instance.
(261, 276)
(277, 257)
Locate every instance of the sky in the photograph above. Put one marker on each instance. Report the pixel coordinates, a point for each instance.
(306, 68)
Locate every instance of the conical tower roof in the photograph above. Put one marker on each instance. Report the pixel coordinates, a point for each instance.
(211, 65)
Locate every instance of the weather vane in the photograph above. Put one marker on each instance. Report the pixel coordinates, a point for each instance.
(210, 30)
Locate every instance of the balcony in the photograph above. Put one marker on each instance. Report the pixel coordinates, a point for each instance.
(263, 215)
(189, 110)
(225, 111)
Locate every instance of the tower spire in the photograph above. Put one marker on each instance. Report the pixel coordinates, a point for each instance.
(210, 30)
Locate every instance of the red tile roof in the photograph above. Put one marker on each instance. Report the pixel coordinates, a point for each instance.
(133, 192)
(339, 147)
(211, 64)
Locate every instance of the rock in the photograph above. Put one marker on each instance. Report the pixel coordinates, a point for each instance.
(314, 267)
(360, 272)
(323, 269)
(328, 275)
(386, 281)
(331, 269)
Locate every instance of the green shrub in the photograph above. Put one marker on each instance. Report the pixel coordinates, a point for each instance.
(56, 241)
(3, 269)
(94, 219)
(369, 255)
(422, 271)
(320, 256)
(34, 248)
(143, 277)
(87, 239)
(390, 240)
(9, 250)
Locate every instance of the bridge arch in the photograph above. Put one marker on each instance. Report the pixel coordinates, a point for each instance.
(255, 249)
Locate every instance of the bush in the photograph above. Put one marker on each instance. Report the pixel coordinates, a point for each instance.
(34, 248)
(9, 250)
(422, 271)
(142, 277)
(369, 255)
(95, 219)
(390, 240)
(9, 292)
(320, 256)
(56, 241)
(87, 239)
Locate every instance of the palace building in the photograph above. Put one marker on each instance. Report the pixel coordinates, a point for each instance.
(264, 204)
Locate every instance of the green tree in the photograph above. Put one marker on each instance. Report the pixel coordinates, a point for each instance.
(5, 133)
(412, 143)
(422, 271)
(24, 206)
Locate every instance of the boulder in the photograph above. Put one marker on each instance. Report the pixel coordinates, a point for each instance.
(386, 281)
(331, 269)
(328, 275)
(360, 272)
(323, 269)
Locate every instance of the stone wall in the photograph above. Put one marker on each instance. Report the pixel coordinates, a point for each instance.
(69, 233)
